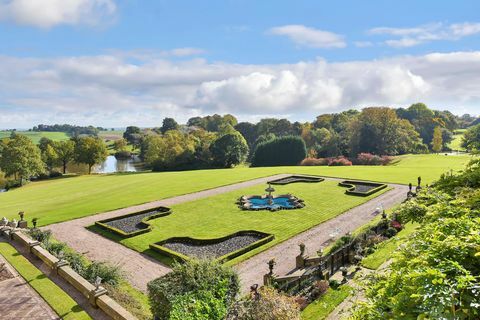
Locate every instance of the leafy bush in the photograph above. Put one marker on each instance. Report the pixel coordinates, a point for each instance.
(390, 232)
(334, 284)
(123, 154)
(372, 160)
(314, 162)
(340, 161)
(270, 305)
(282, 151)
(110, 274)
(40, 235)
(192, 288)
(319, 288)
(344, 240)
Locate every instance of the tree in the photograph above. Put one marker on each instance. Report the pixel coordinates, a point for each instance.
(65, 151)
(437, 141)
(229, 150)
(21, 158)
(91, 151)
(120, 145)
(282, 151)
(248, 131)
(169, 124)
(131, 135)
(471, 139)
(194, 290)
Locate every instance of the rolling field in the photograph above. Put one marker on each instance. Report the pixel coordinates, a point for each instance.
(73, 197)
(36, 136)
(456, 143)
(219, 216)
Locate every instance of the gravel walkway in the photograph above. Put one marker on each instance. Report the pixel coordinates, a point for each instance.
(140, 268)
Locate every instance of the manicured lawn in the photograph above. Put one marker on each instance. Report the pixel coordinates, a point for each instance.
(65, 199)
(61, 302)
(36, 136)
(456, 143)
(322, 307)
(386, 249)
(219, 216)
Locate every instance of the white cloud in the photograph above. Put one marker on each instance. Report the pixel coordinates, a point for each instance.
(110, 90)
(363, 44)
(49, 13)
(409, 37)
(309, 37)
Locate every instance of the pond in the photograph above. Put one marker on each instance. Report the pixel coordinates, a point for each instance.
(110, 165)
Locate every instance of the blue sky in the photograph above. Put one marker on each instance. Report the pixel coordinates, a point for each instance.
(120, 62)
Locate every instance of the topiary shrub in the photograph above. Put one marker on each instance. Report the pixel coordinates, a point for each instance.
(192, 289)
(282, 151)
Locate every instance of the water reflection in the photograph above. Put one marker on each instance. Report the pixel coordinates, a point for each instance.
(111, 165)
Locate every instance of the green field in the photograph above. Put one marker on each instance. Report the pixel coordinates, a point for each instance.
(61, 302)
(456, 144)
(36, 136)
(78, 196)
(219, 216)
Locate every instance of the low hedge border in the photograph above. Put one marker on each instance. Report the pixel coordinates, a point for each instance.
(158, 246)
(164, 211)
(296, 179)
(351, 187)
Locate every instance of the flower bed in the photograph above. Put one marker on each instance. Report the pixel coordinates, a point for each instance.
(220, 249)
(134, 223)
(362, 188)
(295, 179)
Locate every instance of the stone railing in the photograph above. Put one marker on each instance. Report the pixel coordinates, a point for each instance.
(96, 295)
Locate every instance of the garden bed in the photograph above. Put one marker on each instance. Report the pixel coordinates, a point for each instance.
(296, 178)
(134, 223)
(362, 188)
(220, 249)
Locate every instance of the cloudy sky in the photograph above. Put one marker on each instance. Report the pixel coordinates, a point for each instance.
(133, 62)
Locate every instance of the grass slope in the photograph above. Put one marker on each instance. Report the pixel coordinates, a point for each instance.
(219, 216)
(321, 308)
(65, 199)
(36, 136)
(386, 249)
(61, 302)
(456, 143)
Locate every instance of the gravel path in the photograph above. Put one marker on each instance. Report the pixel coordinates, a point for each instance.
(252, 270)
(139, 268)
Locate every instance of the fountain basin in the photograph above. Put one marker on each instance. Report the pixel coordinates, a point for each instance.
(272, 203)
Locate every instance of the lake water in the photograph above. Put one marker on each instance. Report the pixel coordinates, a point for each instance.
(111, 165)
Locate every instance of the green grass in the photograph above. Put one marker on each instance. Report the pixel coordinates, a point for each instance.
(218, 216)
(386, 249)
(322, 307)
(60, 302)
(456, 144)
(65, 199)
(36, 136)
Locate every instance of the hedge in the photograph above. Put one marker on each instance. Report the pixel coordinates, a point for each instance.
(283, 151)
(351, 187)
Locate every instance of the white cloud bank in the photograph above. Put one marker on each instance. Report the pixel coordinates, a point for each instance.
(309, 37)
(109, 90)
(409, 37)
(49, 13)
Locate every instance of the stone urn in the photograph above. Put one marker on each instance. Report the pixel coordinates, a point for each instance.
(3, 222)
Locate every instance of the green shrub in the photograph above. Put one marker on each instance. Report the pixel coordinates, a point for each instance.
(192, 287)
(110, 274)
(390, 232)
(40, 235)
(283, 151)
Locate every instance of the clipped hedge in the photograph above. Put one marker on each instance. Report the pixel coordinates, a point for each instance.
(177, 256)
(351, 185)
(296, 179)
(282, 151)
(164, 211)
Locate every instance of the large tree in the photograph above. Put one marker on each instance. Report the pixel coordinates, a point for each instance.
(169, 124)
(20, 158)
(282, 151)
(91, 151)
(229, 150)
(133, 135)
(437, 140)
(471, 139)
(65, 151)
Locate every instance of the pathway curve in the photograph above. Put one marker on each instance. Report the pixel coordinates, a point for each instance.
(18, 301)
(252, 270)
(139, 268)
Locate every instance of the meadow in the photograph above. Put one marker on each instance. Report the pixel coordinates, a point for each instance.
(36, 136)
(73, 197)
(456, 144)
